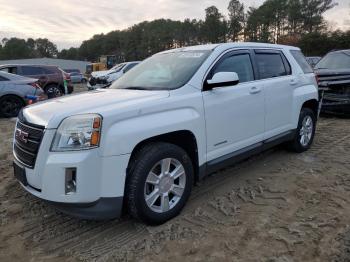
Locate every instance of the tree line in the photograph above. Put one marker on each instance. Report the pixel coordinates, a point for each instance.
(295, 22)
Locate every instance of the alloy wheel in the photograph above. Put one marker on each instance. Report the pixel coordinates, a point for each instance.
(165, 185)
(306, 131)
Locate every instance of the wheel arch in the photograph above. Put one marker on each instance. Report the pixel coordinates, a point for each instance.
(182, 138)
(15, 95)
(311, 104)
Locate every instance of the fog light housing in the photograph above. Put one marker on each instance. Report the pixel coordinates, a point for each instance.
(71, 181)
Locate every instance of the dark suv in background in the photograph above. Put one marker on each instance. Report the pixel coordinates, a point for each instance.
(52, 79)
(333, 72)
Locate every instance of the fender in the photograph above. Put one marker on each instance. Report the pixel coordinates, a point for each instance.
(300, 96)
(126, 134)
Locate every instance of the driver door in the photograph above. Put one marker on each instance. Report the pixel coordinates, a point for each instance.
(234, 114)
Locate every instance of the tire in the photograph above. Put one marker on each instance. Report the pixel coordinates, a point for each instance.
(83, 81)
(141, 185)
(298, 144)
(53, 91)
(10, 105)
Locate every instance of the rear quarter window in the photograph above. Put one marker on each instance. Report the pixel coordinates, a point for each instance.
(301, 60)
(31, 70)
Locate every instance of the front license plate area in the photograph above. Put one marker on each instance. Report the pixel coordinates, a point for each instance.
(20, 174)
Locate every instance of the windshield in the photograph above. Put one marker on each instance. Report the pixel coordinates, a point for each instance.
(117, 68)
(338, 60)
(163, 71)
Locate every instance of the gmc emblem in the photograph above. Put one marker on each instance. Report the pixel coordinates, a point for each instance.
(21, 135)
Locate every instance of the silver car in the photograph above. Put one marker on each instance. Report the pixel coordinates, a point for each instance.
(16, 92)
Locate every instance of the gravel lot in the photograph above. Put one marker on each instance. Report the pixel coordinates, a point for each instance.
(277, 206)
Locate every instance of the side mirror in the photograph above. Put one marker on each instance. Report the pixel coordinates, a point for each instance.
(222, 79)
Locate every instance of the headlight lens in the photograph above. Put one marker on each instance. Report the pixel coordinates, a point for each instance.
(78, 133)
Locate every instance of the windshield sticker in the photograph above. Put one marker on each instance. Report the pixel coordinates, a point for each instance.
(191, 55)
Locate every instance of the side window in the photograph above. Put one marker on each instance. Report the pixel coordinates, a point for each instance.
(48, 71)
(31, 70)
(240, 63)
(270, 65)
(3, 78)
(11, 70)
(301, 60)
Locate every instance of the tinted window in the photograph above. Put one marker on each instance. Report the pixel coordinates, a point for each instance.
(3, 78)
(336, 60)
(32, 70)
(270, 65)
(241, 64)
(12, 70)
(301, 60)
(49, 70)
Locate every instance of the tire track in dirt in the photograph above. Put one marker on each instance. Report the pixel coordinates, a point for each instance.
(220, 203)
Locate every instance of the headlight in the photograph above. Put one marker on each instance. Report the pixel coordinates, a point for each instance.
(78, 133)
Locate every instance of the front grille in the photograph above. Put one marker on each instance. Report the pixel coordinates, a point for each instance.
(27, 142)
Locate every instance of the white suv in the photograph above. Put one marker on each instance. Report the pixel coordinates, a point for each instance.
(176, 117)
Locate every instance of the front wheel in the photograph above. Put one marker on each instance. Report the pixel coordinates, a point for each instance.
(305, 132)
(159, 183)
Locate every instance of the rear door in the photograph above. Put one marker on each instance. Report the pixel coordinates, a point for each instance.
(276, 76)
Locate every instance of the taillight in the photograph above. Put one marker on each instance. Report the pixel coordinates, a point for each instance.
(66, 76)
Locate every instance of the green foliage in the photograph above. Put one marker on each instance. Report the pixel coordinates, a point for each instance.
(15, 48)
(236, 19)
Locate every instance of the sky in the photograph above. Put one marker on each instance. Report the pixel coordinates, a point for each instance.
(68, 22)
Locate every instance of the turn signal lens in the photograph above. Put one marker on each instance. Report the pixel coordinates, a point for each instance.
(95, 138)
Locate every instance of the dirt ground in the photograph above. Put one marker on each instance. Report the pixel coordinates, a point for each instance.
(277, 206)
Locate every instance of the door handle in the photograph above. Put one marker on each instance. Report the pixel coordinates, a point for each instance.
(255, 90)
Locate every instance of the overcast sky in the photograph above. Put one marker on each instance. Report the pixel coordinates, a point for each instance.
(69, 22)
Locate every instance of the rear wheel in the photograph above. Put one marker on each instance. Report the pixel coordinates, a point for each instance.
(10, 106)
(305, 132)
(53, 91)
(159, 183)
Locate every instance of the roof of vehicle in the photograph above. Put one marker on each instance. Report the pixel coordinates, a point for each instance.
(51, 66)
(13, 77)
(347, 51)
(231, 45)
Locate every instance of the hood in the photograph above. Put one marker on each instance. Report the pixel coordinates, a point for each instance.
(102, 101)
(333, 77)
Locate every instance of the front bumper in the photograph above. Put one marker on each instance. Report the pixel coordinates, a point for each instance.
(100, 180)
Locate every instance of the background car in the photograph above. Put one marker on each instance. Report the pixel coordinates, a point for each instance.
(333, 72)
(76, 76)
(16, 92)
(313, 60)
(103, 79)
(52, 79)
